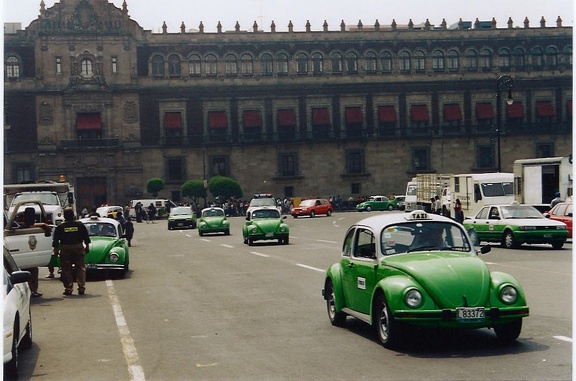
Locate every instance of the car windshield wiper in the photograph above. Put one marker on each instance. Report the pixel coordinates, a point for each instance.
(422, 248)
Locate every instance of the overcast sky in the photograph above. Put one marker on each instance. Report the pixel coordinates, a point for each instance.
(151, 14)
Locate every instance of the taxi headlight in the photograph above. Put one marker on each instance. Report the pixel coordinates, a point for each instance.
(508, 294)
(283, 229)
(225, 222)
(202, 224)
(254, 230)
(413, 298)
(113, 257)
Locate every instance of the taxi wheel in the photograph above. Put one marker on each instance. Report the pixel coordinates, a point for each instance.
(509, 240)
(337, 319)
(557, 244)
(387, 329)
(390, 207)
(250, 242)
(507, 333)
(368, 208)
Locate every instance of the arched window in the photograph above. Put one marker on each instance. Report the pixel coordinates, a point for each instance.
(551, 56)
(302, 64)
(370, 60)
(453, 60)
(158, 66)
(438, 60)
(336, 59)
(419, 61)
(174, 69)
(504, 58)
(247, 64)
(266, 64)
(386, 62)
(518, 58)
(537, 58)
(12, 67)
(404, 61)
(210, 65)
(282, 64)
(194, 65)
(317, 63)
(231, 65)
(351, 63)
(472, 60)
(86, 68)
(485, 59)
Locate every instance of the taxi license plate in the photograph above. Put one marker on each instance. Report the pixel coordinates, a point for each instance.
(268, 235)
(470, 315)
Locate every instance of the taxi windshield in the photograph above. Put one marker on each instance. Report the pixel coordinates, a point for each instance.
(213, 213)
(266, 213)
(100, 229)
(424, 236)
(180, 211)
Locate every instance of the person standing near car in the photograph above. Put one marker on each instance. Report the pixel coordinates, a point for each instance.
(71, 242)
(557, 199)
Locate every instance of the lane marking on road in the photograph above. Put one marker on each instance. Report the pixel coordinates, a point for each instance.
(134, 368)
(206, 365)
(310, 267)
(563, 338)
(325, 241)
(205, 240)
(228, 246)
(260, 254)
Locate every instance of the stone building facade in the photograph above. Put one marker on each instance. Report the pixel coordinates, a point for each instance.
(343, 110)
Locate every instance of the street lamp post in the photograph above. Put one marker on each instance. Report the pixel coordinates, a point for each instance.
(503, 82)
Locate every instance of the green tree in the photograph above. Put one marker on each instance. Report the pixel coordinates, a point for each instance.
(193, 189)
(224, 187)
(154, 186)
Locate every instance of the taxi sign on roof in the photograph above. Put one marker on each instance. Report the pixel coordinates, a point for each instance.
(417, 215)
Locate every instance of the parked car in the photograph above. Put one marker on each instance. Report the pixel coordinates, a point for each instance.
(515, 224)
(265, 223)
(17, 317)
(562, 212)
(312, 207)
(377, 203)
(107, 211)
(400, 202)
(401, 271)
(213, 220)
(109, 250)
(181, 217)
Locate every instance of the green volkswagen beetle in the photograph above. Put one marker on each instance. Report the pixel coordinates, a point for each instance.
(398, 272)
(213, 220)
(377, 203)
(265, 223)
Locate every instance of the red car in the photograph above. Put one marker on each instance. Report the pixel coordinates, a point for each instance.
(562, 212)
(312, 207)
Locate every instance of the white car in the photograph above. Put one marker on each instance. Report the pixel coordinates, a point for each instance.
(17, 317)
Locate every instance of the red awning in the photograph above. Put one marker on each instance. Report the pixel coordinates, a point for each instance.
(420, 113)
(387, 114)
(452, 112)
(569, 108)
(515, 110)
(353, 115)
(484, 111)
(173, 120)
(251, 118)
(544, 109)
(88, 121)
(217, 119)
(286, 118)
(320, 116)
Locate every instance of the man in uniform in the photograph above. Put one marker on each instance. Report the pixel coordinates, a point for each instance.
(72, 238)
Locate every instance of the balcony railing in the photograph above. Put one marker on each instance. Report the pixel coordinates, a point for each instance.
(90, 143)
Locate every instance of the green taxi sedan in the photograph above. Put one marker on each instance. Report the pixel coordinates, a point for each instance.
(109, 250)
(515, 224)
(213, 220)
(400, 272)
(377, 203)
(265, 223)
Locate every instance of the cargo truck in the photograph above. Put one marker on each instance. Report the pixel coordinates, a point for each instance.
(536, 181)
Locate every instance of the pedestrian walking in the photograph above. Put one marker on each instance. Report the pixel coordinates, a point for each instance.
(71, 242)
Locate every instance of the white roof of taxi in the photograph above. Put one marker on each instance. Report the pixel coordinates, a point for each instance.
(100, 219)
(379, 221)
(213, 207)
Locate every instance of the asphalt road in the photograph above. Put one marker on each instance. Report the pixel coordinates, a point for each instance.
(212, 308)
